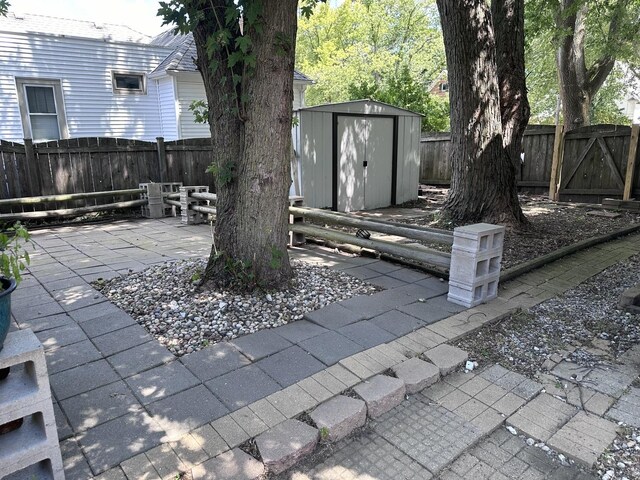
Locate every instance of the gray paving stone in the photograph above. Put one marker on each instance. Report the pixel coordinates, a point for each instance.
(290, 365)
(140, 358)
(493, 373)
(91, 312)
(441, 303)
(121, 340)
(363, 307)
(99, 405)
(381, 393)
(61, 336)
(435, 285)
(82, 379)
(37, 311)
(242, 387)
(627, 409)
(384, 267)
(397, 323)
(584, 438)
(366, 457)
(113, 474)
(429, 434)
(386, 282)
(215, 360)
(260, 344)
(334, 316)
(610, 379)
(45, 323)
(425, 311)
(166, 461)
(232, 433)
(102, 324)
(542, 417)
(446, 357)
(249, 421)
(111, 443)
(362, 272)
(339, 416)
(366, 333)
(292, 401)
(160, 382)
(209, 440)
(75, 464)
(187, 410)
(408, 275)
(232, 465)
(299, 330)
(269, 414)
(570, 371)
(330, 347)
(417, 374)
(62, 425)
(285, 444)
(64, 358)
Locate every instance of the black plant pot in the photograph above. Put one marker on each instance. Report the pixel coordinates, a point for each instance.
(8, 286)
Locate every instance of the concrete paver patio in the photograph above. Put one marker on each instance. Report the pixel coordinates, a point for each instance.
(119, 393)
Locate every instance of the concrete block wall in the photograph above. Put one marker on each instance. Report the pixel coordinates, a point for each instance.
(475, 264)
(189, 216)
(25, 394)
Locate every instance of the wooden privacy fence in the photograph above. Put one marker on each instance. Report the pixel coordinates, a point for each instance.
(585, 165)
(82, 165)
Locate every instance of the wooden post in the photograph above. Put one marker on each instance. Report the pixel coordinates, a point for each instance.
(162, 158)
(556, 164)
(631, 162)
(33, 175)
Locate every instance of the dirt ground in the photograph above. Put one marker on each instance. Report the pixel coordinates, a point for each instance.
(553, 225)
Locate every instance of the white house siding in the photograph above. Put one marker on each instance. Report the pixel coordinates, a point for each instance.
(167, 106)
(84, 68)
(190, 88)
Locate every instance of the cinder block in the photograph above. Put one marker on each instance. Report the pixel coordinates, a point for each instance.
(475, 264)
(285, 444)
(189, 216)
(340, 416)
(381, 393)
(153, 195)
(417, 374)
(26, 394)
(446, 357)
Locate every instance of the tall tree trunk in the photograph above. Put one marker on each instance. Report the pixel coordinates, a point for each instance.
(251, 135)
(508, 21)
(483, 183)
(579, 84)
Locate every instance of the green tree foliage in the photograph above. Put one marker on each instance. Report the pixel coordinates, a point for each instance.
(388, 50)
(610, 39)
(4, 7)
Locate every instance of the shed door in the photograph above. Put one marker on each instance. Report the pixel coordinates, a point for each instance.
(365, 146)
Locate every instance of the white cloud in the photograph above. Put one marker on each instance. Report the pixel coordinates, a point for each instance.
(137, 14)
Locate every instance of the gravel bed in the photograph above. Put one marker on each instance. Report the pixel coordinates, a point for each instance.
(583, 325)
(164, 299)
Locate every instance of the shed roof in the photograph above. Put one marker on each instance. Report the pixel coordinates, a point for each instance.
(66, 27)
(364, 107)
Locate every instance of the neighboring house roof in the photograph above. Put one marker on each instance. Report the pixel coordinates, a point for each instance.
(66, 27)
(366, 106)
(182, 59)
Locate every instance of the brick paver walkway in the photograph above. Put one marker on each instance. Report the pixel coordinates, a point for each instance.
(119, 393)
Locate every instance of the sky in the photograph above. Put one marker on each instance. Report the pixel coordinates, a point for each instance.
(140, 15)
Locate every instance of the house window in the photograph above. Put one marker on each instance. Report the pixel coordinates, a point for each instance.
(129, 83)
(444, 87)
(41, 109)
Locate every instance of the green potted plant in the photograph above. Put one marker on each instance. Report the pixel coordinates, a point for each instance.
(13, 260)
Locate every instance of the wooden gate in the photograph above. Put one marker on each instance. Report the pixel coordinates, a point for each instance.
(594, 163)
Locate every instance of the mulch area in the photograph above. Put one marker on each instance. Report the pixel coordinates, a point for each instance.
(552, 225)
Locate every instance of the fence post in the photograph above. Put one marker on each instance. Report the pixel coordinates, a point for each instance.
(33, 175)
(631, 162)
(162, 158)
(556, 164)
(475, 264)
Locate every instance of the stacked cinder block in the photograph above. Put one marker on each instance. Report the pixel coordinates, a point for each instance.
(189, 216)
(32, 450)
(153, 195)
(168, 189)
(475, 264)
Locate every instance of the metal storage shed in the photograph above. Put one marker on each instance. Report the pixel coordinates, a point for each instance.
(357, 155)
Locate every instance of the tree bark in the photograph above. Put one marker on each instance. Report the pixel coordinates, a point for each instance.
(251, 136)
(483, 183)
(508, 21)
